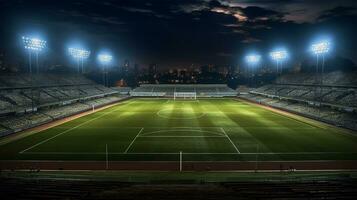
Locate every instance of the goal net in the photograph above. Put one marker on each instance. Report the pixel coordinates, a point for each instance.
(185, 95)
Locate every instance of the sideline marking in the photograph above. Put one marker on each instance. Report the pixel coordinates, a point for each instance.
(230, 140)
(181, 136)
(132, 142)
(194, 153)
(68, 130)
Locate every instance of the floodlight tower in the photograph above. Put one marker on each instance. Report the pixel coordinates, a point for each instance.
(279, 57)
(79, 55)
(35, 45)
(320, 48)
(105, 59)
(252, 60)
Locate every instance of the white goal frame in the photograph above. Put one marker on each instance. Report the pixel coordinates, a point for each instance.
(185, 95)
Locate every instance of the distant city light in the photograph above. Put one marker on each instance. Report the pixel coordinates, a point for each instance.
(253, 58)
(79, 53)
(278, 55)
(321, 47)
(105, 58)
(34, 44)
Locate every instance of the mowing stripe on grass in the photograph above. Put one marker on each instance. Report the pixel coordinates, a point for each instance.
(230, 140)
(68, 130)
(181, 130)
(132, 142)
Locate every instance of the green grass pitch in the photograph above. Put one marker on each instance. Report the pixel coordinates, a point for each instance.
(203, 130)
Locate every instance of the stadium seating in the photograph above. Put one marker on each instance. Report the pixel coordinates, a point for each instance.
(168, 90)
(334, 101)
(122, 90)
(27, 102)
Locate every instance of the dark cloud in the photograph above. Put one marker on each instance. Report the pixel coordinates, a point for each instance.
(253, 12)
(337, 12)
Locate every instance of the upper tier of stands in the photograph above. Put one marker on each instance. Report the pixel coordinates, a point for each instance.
(23, 93)
(26, 101)
(168, 90)
(41, 80)
(333, 101)
(336, 78)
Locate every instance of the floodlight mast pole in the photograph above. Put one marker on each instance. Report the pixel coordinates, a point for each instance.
(103, 74)
(31, 80)
(37, 67)
(30, 67)
(82, 65)
(106, 76)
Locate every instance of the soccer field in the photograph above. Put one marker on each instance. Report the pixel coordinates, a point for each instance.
(197, 130)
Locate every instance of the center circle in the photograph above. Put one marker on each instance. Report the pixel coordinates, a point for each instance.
(179, 113)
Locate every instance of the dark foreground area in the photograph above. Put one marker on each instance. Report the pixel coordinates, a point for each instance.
(187, 185)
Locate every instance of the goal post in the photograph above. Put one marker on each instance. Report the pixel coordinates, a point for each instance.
(185, 95)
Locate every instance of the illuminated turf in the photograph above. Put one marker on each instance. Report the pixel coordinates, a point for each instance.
(203, 130)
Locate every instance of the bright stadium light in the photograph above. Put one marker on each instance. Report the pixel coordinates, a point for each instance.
(105, 59)
(80, 55)
(35, 45)
(320, 47)
(279, 56)
(252, 58)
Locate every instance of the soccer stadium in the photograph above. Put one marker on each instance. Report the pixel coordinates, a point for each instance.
(89, 123)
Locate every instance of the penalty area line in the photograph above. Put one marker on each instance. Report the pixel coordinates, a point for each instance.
(132, 142)
(68, 130)
(236, 148)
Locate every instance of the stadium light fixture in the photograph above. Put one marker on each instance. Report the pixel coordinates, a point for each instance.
(320, 47)
(278, 55)
(33, 44)
(105, 58)
(252, 59)
(80, 55)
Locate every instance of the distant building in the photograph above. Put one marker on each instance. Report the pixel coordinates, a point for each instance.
(152, 69)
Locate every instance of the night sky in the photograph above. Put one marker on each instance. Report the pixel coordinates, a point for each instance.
(175, 33)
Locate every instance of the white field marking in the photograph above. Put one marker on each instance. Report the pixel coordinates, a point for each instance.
(230, 141)
(194, 161)
(67, 130)
(181, 136)
(132, 142)
(192, 153)
(180, 130)
(184, 101)
(192, 127)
